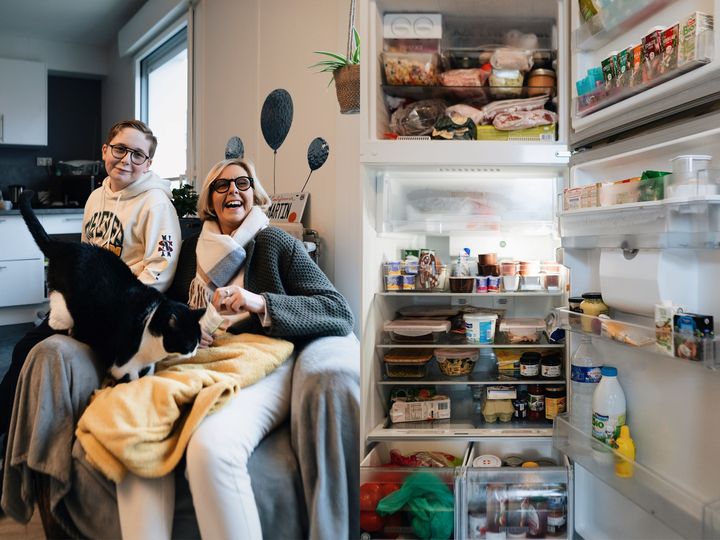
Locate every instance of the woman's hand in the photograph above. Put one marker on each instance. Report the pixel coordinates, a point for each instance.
(205, 339)
(234, 299)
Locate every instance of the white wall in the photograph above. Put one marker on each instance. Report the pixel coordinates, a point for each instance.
(58, 55)
(245, 49)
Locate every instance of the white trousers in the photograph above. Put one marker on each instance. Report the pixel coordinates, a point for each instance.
(217, 457)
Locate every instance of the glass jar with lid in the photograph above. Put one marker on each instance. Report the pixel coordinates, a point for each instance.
(554, 401)
(541, 82)
(594, 306)
(530, 364)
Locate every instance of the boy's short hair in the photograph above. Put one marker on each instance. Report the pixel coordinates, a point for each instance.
(134, 124)
(205, 207)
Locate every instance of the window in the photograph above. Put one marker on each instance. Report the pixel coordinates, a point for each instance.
(164, 103)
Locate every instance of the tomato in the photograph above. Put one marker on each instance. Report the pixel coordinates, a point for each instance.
(486, 67)
(387, 489)
(369, 496)
(371, 522)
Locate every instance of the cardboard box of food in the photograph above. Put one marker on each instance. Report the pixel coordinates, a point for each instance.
(619, 192)
(437, 408)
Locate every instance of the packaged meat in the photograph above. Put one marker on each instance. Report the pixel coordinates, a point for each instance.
(512, 58)
(511, 105)
(524, 119)
(464, 77)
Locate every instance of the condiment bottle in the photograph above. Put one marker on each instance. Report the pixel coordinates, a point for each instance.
(625, 447)
(594, 306)
(554, 401)
(556, 517)
(536, 402)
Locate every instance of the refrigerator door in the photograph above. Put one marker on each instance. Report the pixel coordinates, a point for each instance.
(675, 485)
(655, 58)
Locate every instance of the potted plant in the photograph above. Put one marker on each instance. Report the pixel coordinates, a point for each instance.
(185, 200)
(346, 73)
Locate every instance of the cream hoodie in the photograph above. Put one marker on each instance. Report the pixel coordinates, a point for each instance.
(139, 224)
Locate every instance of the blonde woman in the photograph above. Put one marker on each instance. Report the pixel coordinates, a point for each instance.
(265, 282)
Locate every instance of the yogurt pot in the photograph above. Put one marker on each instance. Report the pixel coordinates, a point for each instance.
(487, 460)
(481, 284)
(511, 283)
(480, 327)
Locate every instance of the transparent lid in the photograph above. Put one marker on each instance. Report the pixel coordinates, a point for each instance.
(419, 326)
(522, 324)
(449, 354)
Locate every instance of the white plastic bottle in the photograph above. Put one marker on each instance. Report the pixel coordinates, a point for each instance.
(608, 407)
(584, 377)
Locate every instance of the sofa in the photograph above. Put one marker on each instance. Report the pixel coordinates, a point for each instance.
(305, 473)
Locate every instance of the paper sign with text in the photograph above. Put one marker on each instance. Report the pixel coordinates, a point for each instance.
(288, 207)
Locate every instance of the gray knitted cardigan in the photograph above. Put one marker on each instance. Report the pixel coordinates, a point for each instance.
(301, 301)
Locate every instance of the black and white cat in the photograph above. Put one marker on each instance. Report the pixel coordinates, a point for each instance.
(96, 297)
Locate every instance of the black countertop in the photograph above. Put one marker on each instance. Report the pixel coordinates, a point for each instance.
(43, 211)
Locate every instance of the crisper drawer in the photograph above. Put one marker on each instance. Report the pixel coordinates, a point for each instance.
(63, 223)
(15, 240)
(527, 496)
(393, 498)
(21, 282)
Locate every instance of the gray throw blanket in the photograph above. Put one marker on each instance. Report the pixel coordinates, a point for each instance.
(55, 385)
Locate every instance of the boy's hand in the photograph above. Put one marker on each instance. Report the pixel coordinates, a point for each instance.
(205, 339)
(234, 299)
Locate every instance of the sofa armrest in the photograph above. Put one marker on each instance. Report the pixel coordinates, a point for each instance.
(325, 433)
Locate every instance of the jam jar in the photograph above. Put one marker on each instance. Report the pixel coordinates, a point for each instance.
(530, 364)
(554, 401)
(593, 305)
(550, 366)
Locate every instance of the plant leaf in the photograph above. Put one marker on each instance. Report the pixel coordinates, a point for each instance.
(333, 55)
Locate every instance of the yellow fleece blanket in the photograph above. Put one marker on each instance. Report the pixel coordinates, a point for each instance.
(144, 426)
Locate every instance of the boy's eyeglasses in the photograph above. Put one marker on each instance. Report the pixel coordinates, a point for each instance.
(221, 185)
(136, 156)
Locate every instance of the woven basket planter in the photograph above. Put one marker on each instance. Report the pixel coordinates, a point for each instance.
(347, 86)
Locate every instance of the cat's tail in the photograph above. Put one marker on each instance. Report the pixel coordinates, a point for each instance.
(33, 223)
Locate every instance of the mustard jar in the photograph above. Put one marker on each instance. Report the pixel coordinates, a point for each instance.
(594, 306)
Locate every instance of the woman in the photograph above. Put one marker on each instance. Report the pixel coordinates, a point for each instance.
(264, 281)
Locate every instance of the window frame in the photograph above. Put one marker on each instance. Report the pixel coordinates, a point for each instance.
(169, 48)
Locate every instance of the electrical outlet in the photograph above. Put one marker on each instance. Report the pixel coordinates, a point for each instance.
(43, 161)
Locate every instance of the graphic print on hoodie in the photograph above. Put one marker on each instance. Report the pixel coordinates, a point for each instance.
(139, 224)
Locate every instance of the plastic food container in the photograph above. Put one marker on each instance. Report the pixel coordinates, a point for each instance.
(411, 69)
(456, 362)
(506, 83)
(416, 331)
(480, 327)
(541, 82)
(407, 363)
(522, 330)
(464, 284)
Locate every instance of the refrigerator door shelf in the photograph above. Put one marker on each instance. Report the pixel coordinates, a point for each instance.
(637, 336)
(670, 223)
(614, 19)
(666, 501)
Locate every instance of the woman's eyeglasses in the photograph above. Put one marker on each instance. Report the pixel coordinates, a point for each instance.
(136, 156)
(221, 185)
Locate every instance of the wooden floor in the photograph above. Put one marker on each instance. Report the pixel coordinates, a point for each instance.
(12, 530)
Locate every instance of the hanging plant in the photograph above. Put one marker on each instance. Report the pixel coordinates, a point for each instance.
(345, 69)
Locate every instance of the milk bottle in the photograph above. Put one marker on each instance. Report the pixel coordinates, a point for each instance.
(608, 407)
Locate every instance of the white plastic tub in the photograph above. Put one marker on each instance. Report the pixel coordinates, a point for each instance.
(480, 327)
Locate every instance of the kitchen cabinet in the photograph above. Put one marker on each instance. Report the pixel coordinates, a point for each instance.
(23, 103)
(22, 264)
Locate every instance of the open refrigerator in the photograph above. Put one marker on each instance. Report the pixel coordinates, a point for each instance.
(509, 197)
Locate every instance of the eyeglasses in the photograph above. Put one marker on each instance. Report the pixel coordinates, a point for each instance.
(243, 183)
(136, 156)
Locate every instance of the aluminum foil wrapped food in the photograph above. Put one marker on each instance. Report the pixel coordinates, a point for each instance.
(418, 118)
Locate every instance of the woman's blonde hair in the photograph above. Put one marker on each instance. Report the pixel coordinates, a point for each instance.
(205, 207)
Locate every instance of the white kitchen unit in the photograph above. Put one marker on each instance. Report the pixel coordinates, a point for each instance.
(22, 264)
(506, 197)
(23, 103)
